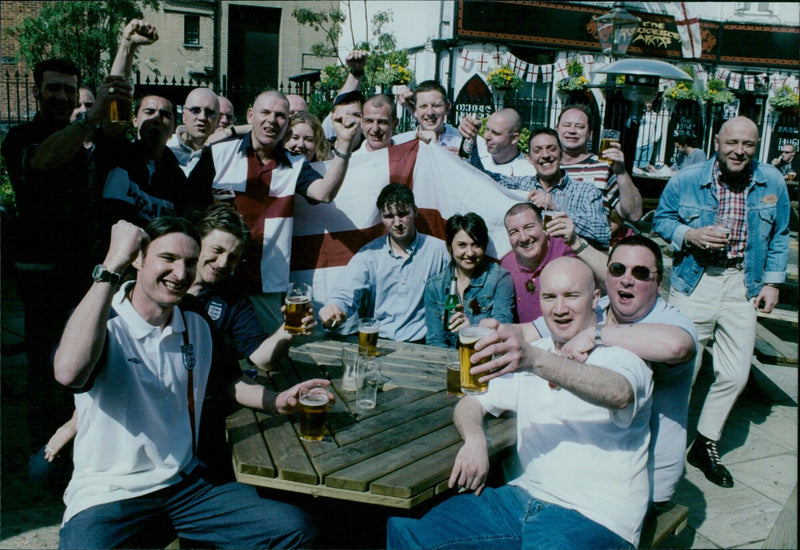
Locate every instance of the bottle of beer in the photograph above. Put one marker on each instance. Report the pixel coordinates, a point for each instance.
(451, 303)
(465, 149)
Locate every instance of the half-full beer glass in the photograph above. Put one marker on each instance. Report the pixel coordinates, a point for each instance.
(313, 412)
(298, 305)
(368, 329)
(467, 337)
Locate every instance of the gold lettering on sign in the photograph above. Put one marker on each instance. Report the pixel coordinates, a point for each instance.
(655, 35)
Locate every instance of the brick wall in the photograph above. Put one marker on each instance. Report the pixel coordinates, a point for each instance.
(11, 14)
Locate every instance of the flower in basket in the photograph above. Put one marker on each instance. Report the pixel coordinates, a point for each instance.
(717, 92)
(575, 79)
(503, 78)
(681, 92)
(394, 74)
(784, 99)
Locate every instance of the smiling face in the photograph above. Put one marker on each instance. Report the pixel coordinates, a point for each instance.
(431, 111)
(398, 219)
(58, 95)
(527, 238)
(165, 273)
(736, 145)
(301, 141)
(220, 253)
(545, 155)
(632, 299)
(465, 252)
(269, 116)
(567, 298)
(378, 126)
(573, 131)
(154, 121)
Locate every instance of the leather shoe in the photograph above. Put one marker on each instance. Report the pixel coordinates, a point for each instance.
(704, 455)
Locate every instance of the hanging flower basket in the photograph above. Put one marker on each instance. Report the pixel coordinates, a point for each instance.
(717, 93)
(784, 100)
(503, 78)
(575, 78)
(682, 92)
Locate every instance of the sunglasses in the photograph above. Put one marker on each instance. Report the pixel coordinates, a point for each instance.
(210, 113)
(640, 272)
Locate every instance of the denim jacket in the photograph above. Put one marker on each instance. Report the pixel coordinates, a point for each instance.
(490, 294)
(689, 201)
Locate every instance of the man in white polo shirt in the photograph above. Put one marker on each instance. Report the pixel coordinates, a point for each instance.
(146, 374)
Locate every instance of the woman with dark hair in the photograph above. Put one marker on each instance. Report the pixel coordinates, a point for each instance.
(484, 288)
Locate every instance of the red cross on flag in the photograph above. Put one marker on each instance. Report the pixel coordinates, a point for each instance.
(466, 59)
(734, 80)
(483, 61)
(533, 73)
(547, 73)
(561, 69)
(688, 28)
(749, 82)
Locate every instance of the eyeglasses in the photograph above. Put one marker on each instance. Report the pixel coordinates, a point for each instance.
(210, 113)
(639, 272)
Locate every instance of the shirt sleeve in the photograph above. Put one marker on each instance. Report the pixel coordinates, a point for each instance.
(246, 332)
(355, 280)
(306, 177)
(434, 323)
(504, 302)
(635, 371)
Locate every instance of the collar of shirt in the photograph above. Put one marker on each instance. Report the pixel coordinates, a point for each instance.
(562, 184)
(718, 179)
(410, 249)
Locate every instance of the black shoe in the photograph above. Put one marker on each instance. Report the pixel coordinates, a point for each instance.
(704, 455)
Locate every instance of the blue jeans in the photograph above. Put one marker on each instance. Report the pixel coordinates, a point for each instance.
(230, 515)
(502, 519)
(643, 155)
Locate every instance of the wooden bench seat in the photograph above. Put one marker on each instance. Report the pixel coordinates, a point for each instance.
(670, 521)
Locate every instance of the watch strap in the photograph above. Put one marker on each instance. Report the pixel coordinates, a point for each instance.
(103, 275)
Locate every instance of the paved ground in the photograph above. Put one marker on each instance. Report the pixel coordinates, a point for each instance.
(759, 446)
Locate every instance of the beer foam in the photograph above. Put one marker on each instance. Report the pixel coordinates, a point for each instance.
(298, 299)
(368, 330)
(314, 399)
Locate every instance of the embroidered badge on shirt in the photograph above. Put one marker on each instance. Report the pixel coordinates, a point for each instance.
(215, 311)
(770, 199)
(187, 350)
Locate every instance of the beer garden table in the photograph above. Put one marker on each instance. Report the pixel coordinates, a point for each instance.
(400, 454)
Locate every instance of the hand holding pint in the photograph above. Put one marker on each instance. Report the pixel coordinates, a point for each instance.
(607, 137)
(298, 306)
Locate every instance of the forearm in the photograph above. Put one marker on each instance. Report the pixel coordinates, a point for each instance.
(84, 336)
(255, 396)
(595, 385)
(651, 341)
(123, 60)
(468, 419)
(58, 148)
(591, 256)
(270, 349)
(630, 199)
(326, 188)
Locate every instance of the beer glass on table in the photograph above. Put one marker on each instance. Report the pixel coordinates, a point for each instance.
(454, 379)
(607, 137)
(298, 305)
(368, 329)
(313, 412)
(467, 337)
(368, 378)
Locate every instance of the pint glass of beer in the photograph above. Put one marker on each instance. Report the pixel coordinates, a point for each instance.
(467, 337)
(313, 412)
(454, 379)
(607, 137)
(553, 204)
(298, 305)
(368, 329)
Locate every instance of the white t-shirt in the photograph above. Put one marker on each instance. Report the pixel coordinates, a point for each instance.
(187, 157)
(580, 456)
(449, 138)
(133, 423)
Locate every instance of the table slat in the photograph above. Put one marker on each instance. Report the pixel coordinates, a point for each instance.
(248, 445)
(286, 450)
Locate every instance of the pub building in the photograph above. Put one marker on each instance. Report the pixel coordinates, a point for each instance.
(543, 42)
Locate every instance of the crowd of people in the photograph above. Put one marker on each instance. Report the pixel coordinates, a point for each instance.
(192, 227)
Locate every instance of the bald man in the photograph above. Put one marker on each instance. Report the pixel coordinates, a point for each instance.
(296, 104)
(200, 118)
(264, 179)
(498, 148)
(725, 270)
(226, 118)
(582, 437)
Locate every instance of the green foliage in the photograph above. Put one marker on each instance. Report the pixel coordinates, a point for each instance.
(85, 32)
(503, 78)
(329, 22)
(7, 198)
(575, 79)
(718, 92)
(784, 99)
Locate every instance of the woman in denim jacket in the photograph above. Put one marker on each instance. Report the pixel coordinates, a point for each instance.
(484, 288)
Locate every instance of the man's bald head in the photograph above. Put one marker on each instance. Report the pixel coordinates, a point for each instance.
(502, 135)
(510, 118)
(200, 115)
(296, 103)
(573, 268)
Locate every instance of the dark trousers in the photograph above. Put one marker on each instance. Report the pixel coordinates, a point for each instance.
(230, 515)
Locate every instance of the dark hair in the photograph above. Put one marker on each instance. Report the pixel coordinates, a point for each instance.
(521, 207)
(395, 194)
(379, 100)
(347, 98)
(641, 240)
(430, 86)
(56, 65)
(545, 131)
(138, 103)
(226, 218)
(579, 107)
(471, 224)
(686, 139)
(158, 227)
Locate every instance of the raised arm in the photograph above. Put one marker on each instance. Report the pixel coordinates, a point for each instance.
(84, 335)
(136, 33)
(326, 188)
(472, 461)
(630, 199)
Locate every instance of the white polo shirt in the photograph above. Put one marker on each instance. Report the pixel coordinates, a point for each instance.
(133, 434)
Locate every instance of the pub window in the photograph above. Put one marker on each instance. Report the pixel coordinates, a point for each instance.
(753, 7)
(191, 30)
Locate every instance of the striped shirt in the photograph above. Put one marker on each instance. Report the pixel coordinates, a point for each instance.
(598, 173)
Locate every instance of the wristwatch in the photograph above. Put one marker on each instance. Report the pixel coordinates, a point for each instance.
(598, 335)
(101, 275)
(583, 246)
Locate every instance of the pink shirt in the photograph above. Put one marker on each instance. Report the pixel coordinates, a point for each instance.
(526, 281)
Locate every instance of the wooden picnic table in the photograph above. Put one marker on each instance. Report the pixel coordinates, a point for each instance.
(399, 454)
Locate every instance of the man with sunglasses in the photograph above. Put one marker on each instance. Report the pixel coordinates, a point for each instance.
(728, 222)
(200, 119)
(633, 316)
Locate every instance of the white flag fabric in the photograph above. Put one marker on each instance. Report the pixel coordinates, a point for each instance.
(734, 80)
(547, 73)
(688, 28)
(533, 73)
(749, 82)
(326, 236)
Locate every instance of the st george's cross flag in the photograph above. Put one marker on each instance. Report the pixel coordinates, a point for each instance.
(326, 236)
